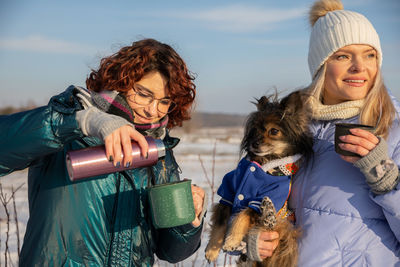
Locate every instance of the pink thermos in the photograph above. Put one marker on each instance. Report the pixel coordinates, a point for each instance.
(92, 161)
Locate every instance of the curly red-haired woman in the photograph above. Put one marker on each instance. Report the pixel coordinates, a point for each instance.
(142, 90)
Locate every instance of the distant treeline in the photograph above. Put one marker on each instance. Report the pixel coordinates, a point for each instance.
(11, 109)
(199, 119)
(204, 119)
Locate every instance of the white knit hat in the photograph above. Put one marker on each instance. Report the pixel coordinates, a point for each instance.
(337, 29)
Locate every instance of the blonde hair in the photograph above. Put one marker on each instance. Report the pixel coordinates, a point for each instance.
(378, 109)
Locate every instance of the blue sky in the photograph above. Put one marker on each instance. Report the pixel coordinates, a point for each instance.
(237, 49)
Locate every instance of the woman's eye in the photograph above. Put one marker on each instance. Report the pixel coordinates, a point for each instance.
(165, 101)
(341, 57)
(372, 55)
(142, 94)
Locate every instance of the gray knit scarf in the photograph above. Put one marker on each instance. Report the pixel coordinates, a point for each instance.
(114, 102)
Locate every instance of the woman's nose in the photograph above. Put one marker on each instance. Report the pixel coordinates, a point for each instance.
(358, 65)
(152, 107)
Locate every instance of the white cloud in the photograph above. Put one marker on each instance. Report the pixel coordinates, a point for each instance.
(37, 43)
(241, 18)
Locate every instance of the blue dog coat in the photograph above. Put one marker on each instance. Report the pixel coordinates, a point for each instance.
(248, 184)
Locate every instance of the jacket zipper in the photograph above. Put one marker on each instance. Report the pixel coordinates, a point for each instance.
(113, 219)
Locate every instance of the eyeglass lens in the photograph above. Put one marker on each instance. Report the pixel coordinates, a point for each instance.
(164, 105)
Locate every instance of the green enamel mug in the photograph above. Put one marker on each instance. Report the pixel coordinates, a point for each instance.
(171, 204)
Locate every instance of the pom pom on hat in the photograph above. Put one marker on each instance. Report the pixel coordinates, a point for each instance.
(334, 28)
(320, 8)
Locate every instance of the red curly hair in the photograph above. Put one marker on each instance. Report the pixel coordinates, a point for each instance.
(123, 69)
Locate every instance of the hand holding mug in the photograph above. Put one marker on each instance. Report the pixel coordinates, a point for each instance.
(198, 201)
(353, 141)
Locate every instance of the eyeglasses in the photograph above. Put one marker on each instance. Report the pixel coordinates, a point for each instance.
(142, 98)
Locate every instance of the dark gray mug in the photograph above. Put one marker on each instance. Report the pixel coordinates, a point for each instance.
(344, 129)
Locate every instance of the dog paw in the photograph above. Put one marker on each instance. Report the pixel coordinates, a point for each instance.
(228, 247)
(269, 222)
(211, 254)
(231, 244)
(268, 213)
(267, 205)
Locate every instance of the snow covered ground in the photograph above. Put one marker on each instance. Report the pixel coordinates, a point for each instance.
(204, 156)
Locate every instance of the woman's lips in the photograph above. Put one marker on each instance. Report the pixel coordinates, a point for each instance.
(355, 82)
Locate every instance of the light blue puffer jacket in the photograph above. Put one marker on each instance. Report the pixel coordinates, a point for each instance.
(343, 223)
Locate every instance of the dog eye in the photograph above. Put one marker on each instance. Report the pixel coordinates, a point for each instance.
(273, 131)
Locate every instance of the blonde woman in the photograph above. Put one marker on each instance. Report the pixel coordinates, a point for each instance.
(348, 207)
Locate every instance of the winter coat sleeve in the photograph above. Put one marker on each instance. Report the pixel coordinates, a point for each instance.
(178, 243)
(391, 208)
(381, 173)
(29, 135)
(389, 201)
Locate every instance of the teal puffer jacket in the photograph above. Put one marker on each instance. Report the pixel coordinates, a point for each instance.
(102, 221)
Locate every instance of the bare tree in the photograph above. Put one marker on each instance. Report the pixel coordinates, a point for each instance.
(16, 221)
(211, 182)
(5, 200)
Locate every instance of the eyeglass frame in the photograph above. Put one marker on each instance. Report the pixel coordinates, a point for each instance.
(171, 104)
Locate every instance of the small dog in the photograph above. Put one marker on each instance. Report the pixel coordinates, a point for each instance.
(276, 136)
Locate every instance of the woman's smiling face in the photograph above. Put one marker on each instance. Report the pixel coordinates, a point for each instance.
(152, 85)
(350, 74)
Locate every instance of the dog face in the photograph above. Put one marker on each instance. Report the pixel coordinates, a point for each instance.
(277, 129)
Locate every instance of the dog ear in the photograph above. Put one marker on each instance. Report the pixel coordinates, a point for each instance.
(294, 102)
(262, 103)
